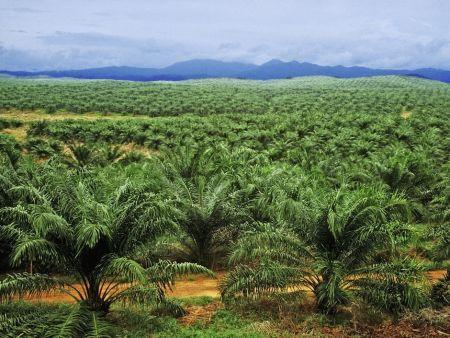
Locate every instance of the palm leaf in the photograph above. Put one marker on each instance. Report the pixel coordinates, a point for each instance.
(98, 328)
(73, 325)
(23, 284)
(164, 272)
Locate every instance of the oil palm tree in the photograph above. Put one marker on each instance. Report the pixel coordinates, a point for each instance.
(187, 162)
(205, 199)
(440, 234)
(209, 219)
(81, 156)
(11, 175)
(95, 241)
(410, 174)
(111, 153)
(337, 256)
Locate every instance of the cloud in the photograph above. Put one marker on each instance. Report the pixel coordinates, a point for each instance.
(111, 42)
(105, 14)
(84, 50)
(24, 10)
(402, 34)
(86, 40)
(21, 31)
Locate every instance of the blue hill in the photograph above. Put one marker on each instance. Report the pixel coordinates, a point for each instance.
(206, 68)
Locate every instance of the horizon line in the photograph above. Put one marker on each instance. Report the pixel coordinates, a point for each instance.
(223, 61)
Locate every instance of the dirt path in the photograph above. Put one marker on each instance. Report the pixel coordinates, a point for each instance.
(434, 275)
(195, 286)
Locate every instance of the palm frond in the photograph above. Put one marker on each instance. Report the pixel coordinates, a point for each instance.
(17, 214)
(256, 281)
(98, 328)
(23, 284)
(163, 273)
(29, 192)
(124, 268)
(50, 223)
(88, 234)
(141, 294)
(73, 325)
(268, 242)
(32, 248)
(9, 323)
(393, 286)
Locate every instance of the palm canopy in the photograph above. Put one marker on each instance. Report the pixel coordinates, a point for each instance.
(203, 194)
(95, 238)
(350, 240)
(187, 162)
(209, 219)
(12, 175)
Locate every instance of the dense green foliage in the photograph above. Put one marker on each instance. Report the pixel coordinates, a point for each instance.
(346, 247)
(337, 186)
(210, 97)
(32, 321)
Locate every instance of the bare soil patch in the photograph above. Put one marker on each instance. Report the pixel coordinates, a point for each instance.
(192, 286)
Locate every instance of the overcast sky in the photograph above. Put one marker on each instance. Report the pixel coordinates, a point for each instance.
(57, 34)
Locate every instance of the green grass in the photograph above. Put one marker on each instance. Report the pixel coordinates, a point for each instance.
(197, 301)
(223, 324)
(130, 322)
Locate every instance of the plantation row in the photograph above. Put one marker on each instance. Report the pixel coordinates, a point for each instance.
(275, 227)
(207, 97)
(336, 204)
(337, 146)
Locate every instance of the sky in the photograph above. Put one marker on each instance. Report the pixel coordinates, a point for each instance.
(59, 34)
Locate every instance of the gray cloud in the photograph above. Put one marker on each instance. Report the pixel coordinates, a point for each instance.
(87, 40)
(401, 34)
(24, 10)
(83, 50)
(101, 13)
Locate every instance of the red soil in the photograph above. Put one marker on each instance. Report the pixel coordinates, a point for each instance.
(195, 286)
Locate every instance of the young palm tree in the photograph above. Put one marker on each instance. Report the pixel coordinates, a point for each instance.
(11, 175)
(111, 153)
(337, 257)
(81, 156)
(208, 219)
(409, 174)
(187, 162)
(208, 216)
(440, 292)
(94, 241)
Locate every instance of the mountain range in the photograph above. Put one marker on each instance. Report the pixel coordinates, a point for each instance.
(206, 68)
